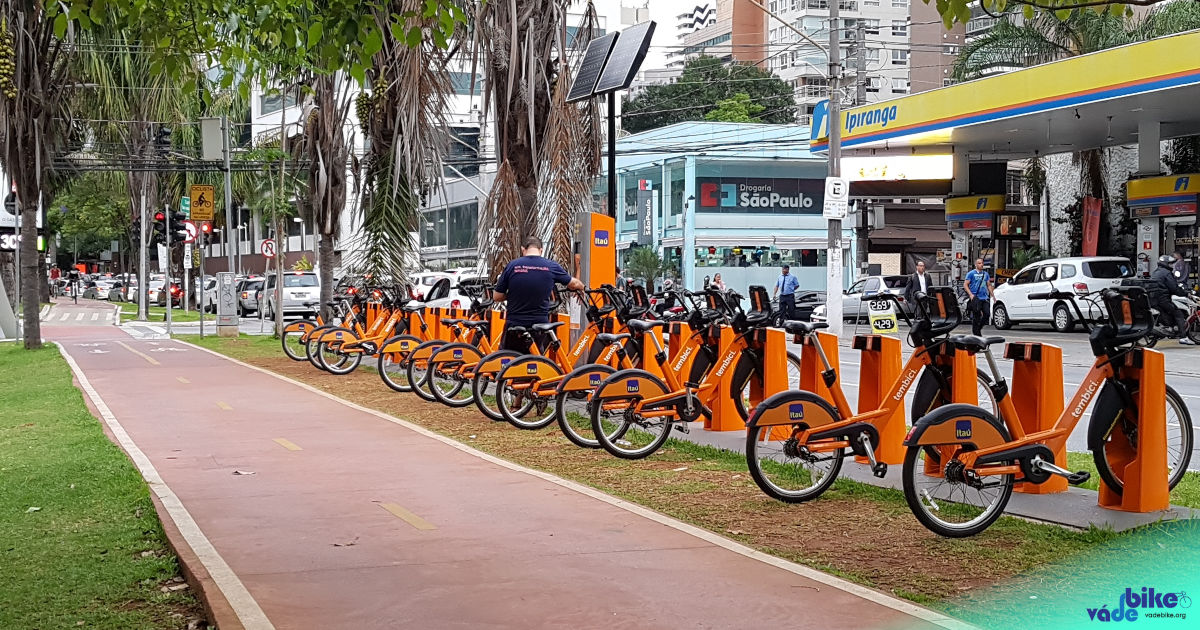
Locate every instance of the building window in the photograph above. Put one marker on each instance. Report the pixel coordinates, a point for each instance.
(870, 3)
(461, 82)
(899, 57)
(899, 4)
(899, 86)
(899, 28)
(759, 256)
(774, 6)
(873, 54)
(270, 103)
(464, 224)
(818, 4)
(848, 5)
(463, 152)
(872, 27)
(950, 49)
(1015, 185)
(873, 84)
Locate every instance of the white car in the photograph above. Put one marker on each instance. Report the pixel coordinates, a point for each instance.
(456, 298)
(423, 282)
(301, 294)
(1078, 275)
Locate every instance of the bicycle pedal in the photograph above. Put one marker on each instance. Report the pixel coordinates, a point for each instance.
(682, 427)
(1078, 478)
(879, 470)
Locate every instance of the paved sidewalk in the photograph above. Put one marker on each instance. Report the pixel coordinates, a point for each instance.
(343, 519)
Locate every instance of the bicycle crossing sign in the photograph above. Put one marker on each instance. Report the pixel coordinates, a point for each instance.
(202, 199)
(883, 317)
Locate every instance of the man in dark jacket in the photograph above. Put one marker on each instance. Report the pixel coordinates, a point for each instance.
(1163, 285)
(918, 282)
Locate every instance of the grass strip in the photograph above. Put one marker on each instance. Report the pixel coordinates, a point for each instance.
(80, 542)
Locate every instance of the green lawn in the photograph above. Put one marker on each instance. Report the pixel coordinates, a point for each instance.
(80, 542)
(1187, 493)
(159, 313)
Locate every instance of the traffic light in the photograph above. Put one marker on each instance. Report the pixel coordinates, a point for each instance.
(162, 141)
(158, 229)
(178, 229)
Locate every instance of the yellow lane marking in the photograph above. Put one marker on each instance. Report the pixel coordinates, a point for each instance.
(224, 405)
(182, 380)
(285, 443)
(407, 517)
(149, 359)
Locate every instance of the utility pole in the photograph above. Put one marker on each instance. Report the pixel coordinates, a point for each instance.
(834, 257)
(228, 193)
(860, 98)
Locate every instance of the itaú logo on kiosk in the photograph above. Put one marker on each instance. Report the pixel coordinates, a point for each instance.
(600, 238)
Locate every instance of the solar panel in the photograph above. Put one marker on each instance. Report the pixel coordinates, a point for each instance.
(626, 58)
(593, 64)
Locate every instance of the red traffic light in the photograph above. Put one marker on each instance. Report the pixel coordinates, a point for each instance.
(159, 216)
(206, 228)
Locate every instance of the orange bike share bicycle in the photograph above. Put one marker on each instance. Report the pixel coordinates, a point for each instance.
(442, 370)
(961, 461)
(634, 411)
(343, 306)
(795, 441)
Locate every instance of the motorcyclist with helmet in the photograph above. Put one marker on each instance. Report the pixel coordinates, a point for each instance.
(1163, 285)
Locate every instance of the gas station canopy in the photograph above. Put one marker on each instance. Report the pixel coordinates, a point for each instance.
(1085, 102)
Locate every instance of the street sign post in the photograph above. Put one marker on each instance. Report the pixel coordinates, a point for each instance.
(185, 205)
(267, 248)
(201, 202)
(837, 198)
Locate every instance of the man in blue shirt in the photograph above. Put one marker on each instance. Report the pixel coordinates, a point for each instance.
(785, 288)
(979, 286)
(526, 285)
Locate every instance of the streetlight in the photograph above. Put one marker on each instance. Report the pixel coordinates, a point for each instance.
(302, 233)
(239, 247)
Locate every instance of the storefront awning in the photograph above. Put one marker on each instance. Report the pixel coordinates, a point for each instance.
(778, 242)
(929, 238)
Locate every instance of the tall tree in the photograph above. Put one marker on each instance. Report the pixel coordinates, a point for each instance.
(703, 85)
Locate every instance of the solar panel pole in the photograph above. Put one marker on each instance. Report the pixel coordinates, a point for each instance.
(834, 258)
(612, 154)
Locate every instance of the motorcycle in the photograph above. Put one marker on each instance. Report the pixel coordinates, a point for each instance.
(1164, 327)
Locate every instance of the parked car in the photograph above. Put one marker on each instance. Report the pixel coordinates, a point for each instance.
(1079, 275)
(153, 289)
(423, 282)
(247, 295)
(854, 299)
(176, 293)
(301, 294)
(456, 298)
(806, 303)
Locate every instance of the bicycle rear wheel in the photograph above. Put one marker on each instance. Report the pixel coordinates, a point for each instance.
(312, 343)
(782, 467)
(619, 426)
(446, 380)
(1113, 429)
(331, 356)
(572, 403)
(393, 361)
(295, 343)
(483, 386)
(948, 500)
(418, 368)
(518, 401)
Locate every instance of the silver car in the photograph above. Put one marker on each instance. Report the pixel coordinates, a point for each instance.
(301, 294)
(247, 295)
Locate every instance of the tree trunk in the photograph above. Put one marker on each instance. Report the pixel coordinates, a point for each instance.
(279, 275)
(30, 291)
(43, 273)
(325, 270)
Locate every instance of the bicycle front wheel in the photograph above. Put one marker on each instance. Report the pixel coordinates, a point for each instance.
(393, 361)
(1112, 430)
(572, 404)
(331, 356)
(418, 368)
(747, 371)
(447, 380)
(294, 343)
(483, 385)
(518, 400)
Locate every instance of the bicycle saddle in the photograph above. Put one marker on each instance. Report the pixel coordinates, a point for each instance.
(547, 327)
(611, 338)
(413, 307)
(450, 321)
(643, 325)
(517, 330)
(475, 323)
(797, 327)
(972, 343)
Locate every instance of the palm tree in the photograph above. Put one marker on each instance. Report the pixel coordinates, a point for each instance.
(519, 40)
(1045, 38)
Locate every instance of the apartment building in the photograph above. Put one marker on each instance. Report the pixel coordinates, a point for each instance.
(737, 33)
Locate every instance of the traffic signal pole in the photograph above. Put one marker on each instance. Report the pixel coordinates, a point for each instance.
(833, 305)
(143, 258)
(167, 265)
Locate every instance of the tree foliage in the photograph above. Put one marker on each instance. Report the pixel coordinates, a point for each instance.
(738, 109)
(959, 11)
(704, 84)
(645, 264)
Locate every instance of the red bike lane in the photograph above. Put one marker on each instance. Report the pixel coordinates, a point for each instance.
(306, 512)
